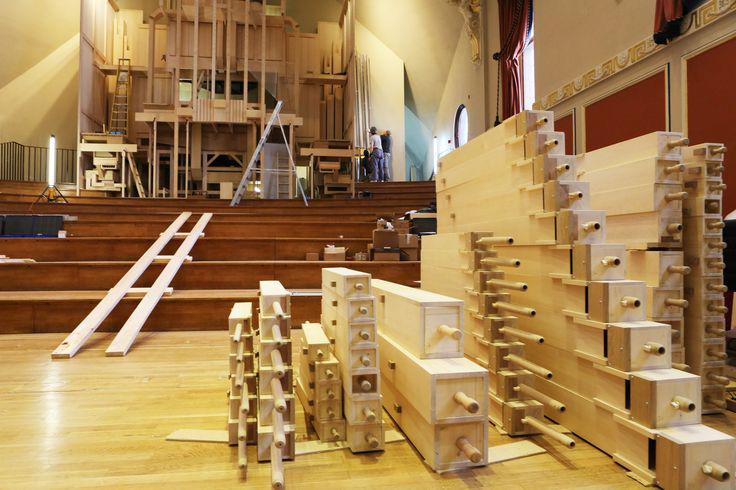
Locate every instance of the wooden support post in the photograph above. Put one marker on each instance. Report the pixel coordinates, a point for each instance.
(74, 341)
(177, 48)
(195, 55)
(186, 161)
(174, 164)
(154, 152)
(262, 87)
(246, 36)
(125, 338)
(151, 57)
(213, 76)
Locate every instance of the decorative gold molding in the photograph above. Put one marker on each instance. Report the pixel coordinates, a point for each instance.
(470, 10)
(706, 14)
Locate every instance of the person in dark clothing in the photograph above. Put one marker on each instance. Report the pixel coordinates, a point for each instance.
(366, 168)
(376, 156)
(386, 143)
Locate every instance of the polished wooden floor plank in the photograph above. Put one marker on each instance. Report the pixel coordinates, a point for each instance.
(95, 421)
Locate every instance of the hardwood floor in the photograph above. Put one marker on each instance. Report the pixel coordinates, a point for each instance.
(95, 421)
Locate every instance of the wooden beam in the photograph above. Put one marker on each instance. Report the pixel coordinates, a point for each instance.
(125, 338)
(186, 162)
(246, 37)
(174, 164)
(213, 77)
(228, 51)
(195, 55)
(151, 56)
(177, 48)
(94, 319)
(263, 70)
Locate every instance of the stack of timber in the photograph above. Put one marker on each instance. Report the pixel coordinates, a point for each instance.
(435, 395)
(704, 288)
(276, 402)
(318, 385)
(242, 429)
(349, 318)
(639, 183)
(613, 370)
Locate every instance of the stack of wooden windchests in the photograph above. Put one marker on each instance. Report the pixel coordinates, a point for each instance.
(276, 402)
(242, 395)
(704, 287)
(348, 316)
(639, 183)
(318, 384)
(563, 281)
(435, 395)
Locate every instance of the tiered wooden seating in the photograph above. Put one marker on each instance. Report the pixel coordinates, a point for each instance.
(349, 317)
(242, 396)
(703, 241)
(319, 386)
(564, 282)
(434, 394)
(276, 401)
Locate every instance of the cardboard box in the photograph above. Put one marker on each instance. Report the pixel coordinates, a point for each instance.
(334, 253)
(410, 254)
(312, 256)
(402, 226)
(385, 238)
(407, 240)
(386, 254)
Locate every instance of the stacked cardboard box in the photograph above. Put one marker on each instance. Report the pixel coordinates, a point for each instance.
(318, 384)
(385, 244)
(348, 315)
(434, 394)
(704, 287)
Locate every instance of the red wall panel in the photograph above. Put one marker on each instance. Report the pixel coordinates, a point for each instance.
(711, 101)
(566, 124)
(636, 110)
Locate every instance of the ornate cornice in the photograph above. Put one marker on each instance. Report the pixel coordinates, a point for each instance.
(470, 10)
(706, 14)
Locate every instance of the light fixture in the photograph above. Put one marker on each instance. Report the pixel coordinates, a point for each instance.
(51, 173)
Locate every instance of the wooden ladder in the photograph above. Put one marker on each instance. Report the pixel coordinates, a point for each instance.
(119, 113)
(136, 175)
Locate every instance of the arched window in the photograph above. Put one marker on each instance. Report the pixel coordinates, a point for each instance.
(461, 126)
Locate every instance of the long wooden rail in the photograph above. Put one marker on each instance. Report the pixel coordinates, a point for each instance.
(71, 345)
(125, 338)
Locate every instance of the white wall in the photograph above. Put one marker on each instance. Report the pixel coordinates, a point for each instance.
(387, 93)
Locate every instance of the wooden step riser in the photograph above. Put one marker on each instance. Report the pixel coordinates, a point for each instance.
(69, 276)
(169, 315)
(101, 249)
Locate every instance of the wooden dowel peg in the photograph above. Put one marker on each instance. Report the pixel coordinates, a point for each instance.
(528, 365)
(330, 394)
(514, 285)
(717, 169)
(541, 122)
(521, 310)
(277, 363)
(522, 334)
(548, 431)
(370, 415)
(373, 441)
(683, 404)
(712, 206)
(242, 436)
(591, 226)
(335, 434)
(366, 385)
(716, 353)
(239, 371)
(630, 302)
(681, 366)
(469, 404)
(719, 151)
(279, 402)
(717, 308)
(495, 240)
(454, 333)
(611, 261)
(549, 144)
(365, 360)
(676, 302)
(277, 310)
(329, 374)
(470, 451)
(561, 169)
(716, 264)
(721, 380)
(237, 332)
(244, 404)
(364, 334)
(540, 397)
(675, 196)
(277, 469)
(330, 413)
(574, 196)
(715, 225)
(678, 142)
(276, 333)
(654, 348)
(679, 269)
(320, 354)
(715, 331)
(715, 402)
(363, 310)
(715, 471)
(358, 286)
(717, 187)
(242, 456)
(717, 245)
(680, 167)
(501, 262)
(719, 288)
(674, 228)
(277, 421)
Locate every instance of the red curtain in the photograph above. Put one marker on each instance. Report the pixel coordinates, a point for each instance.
(667, 18)
(514, 19)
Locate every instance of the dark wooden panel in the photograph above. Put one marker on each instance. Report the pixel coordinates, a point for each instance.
(711, 99)
(638, 109)
(566, 124)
